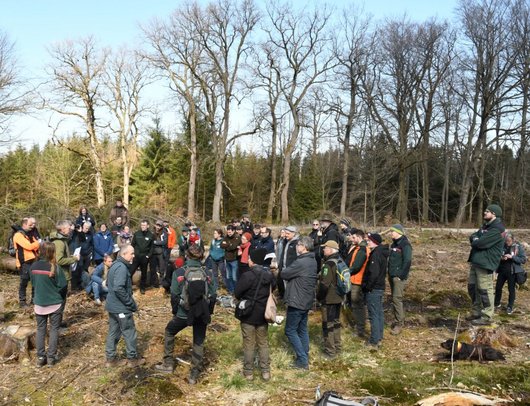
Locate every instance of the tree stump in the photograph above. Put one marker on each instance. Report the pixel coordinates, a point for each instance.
(16, 343)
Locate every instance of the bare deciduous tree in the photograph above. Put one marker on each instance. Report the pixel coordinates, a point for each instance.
(75, 85)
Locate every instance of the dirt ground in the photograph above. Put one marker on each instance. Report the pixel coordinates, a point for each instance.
(405, 370)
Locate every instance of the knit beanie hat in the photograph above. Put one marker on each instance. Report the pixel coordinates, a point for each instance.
(398, 228)
(375, 238)
(496, 209)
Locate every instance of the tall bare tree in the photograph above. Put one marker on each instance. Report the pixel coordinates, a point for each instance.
(76, 73)
(303, 42)
(13, 99)
(126, 77)
(487, 67)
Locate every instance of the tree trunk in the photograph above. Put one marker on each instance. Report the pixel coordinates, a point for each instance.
(96, 161)
(192, 117)
(272, 195)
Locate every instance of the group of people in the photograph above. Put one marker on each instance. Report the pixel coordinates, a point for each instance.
(244, 258)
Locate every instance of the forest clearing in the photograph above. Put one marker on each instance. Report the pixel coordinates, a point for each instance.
(405, 370)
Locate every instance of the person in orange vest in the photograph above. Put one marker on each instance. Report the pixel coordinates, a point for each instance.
(171, 238)
(27, 251)
(360, 254)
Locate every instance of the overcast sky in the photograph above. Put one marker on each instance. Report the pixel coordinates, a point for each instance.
(34, 25)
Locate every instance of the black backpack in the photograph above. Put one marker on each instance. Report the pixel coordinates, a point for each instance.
(11, 245)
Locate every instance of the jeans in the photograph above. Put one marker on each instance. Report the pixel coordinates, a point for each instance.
(231, 275)
(121, 326)
(374, 302)
(42, 322)
(216, 267)
(97, 287)
(255, 336)
(174, 326)
(297, 334)
(503, 277)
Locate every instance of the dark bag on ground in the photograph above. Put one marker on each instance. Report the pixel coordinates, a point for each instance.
(330, 398)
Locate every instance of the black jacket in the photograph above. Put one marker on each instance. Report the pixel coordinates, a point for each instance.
(375, 273)
(143, 243)
(301, 277)
(246, 288)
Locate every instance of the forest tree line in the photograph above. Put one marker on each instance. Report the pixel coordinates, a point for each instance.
(284, 113)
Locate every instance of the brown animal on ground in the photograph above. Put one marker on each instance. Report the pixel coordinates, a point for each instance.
(463, 351)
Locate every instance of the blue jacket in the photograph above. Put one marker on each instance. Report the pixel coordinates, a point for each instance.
(267, 243)
(216, 252)
(120, 297)
(103, 244)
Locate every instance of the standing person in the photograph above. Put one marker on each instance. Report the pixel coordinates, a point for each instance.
(246, 224)
(398, 272)
(116, 229)
(119, 210)
(280, 246)
(192, 301)
(171, 239)
(330, 300)
(85, 217)
(158, 261)
(301, 278)
(328, 232)
(125, 237)
(85, 241)
(26, 252)
(487, 245)
(345, 227)
(358, 261)
(243, 253)
(256, 237)
(195, 237)
(316, 234)
(63, 257)
(103, 244)
(120, 305)
(511, 264)
(142, 242)
(217, 254)
(255, 284)
(182, 241)
(288, 255)
(230, 244)
(49, 281)
(373, 286)
(266, 242)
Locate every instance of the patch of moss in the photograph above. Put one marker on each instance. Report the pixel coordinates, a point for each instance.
(233, 381)
(156, 391)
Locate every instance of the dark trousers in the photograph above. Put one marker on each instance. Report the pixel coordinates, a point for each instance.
(374, 302)
(140, 262)
(331, 328)
(121, 326)
(199, 334)
(158, 265)
(24, 280)
(42, 323)
(503, 277)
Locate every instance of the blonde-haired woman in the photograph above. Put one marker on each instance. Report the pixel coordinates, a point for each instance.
(49, 282)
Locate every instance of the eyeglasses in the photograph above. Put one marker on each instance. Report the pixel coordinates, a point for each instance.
(316, 224)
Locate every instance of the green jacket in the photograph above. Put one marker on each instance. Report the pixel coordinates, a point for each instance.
(327, 282)
(47, 290)
(400, 258)
(62, 253)
(487, 245)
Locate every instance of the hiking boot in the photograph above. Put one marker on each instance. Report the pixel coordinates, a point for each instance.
(396, 330)
(98, 302)
(498, 306)
(248, 377)
(51, 361)
(482, 321)
(164, 368)
(112, 363)
(41, 361)
(142, 291)
(193, 378)
(266, 376)
(509, 310)
(135, 362)
(297, 365)
(472, 317)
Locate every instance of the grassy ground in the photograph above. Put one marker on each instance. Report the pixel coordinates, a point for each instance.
(405, 370)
